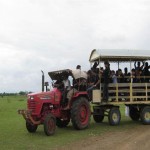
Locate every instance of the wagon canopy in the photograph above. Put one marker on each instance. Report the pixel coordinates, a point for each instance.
(115, 55)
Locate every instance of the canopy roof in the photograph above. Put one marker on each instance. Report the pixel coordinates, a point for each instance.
(76, 74)
(56, 75)
(114, 55)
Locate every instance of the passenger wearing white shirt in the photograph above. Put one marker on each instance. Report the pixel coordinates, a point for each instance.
(67, 88)
(67, 85)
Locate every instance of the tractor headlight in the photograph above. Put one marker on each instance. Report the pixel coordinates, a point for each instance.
(30, 97)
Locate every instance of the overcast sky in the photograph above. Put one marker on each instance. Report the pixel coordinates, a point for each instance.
(49, 35)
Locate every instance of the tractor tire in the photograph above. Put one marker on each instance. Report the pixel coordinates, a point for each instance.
(80, 113)
(98, 115)
(145, 115)
(134, 113)
(114, 116)
(49, 124)
(30, 127)
(62, 123)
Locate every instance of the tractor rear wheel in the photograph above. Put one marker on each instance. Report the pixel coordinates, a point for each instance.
(49, 124)
(145, 115)
(114, 116)
(62, 123)
(134, 113)
(80, 113)
(30, 127)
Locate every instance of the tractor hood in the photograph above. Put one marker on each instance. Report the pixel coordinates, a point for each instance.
(45, 95)
(41, 95)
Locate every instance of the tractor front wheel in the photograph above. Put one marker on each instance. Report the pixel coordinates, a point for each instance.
(80, 113)
(30, 127)
(49, 124)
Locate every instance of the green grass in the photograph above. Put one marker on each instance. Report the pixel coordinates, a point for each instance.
(14, 136)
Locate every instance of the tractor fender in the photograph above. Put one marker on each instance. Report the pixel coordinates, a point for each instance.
(80, 94)
(76, 96)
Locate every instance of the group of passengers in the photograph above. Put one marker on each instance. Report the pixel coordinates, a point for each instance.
(96, 76)
(93, 79)
(139, 74)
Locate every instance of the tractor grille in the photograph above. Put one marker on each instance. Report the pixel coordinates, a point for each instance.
(31, 105)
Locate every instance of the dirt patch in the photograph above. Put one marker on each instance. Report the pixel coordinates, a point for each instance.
(132, 139)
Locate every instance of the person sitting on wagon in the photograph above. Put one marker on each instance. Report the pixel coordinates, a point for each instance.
(146, 72)
(120, 76)
(94, 68)
(114, 81)
(133, 75)
(114, 77)
(126, 75)
(92, 82)
(138, 65)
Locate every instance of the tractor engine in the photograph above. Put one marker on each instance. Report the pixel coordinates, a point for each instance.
(37, 102)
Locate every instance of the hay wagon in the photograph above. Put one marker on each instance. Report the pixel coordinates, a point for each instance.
(136, 96)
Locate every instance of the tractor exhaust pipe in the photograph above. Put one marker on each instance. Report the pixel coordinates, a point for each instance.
(42, 81)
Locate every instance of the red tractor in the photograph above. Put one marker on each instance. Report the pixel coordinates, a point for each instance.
(48, 109)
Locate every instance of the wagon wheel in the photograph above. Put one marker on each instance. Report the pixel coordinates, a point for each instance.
(114, 116)
(145, 115)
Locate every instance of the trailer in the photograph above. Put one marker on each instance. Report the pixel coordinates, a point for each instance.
(136, 96)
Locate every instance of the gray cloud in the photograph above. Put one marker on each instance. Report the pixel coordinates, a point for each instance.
(56, 34)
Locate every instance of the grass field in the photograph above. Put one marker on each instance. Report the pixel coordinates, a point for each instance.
(14, 136)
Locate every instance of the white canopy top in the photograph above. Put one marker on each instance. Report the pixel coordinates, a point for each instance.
(115, 55)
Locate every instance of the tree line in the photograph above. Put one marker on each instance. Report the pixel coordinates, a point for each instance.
(15, 94)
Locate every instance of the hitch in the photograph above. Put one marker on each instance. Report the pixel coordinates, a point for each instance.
(27, 116)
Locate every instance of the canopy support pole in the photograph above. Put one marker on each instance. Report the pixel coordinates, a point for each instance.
(100, 78)
(118, 65)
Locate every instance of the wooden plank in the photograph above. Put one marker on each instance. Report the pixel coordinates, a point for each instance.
(134, 102)
(96, 96)
(120, 97)
(138, 84)
(138, 91)
(119, 85)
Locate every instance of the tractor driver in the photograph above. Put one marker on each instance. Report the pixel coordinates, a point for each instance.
(67, 88)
